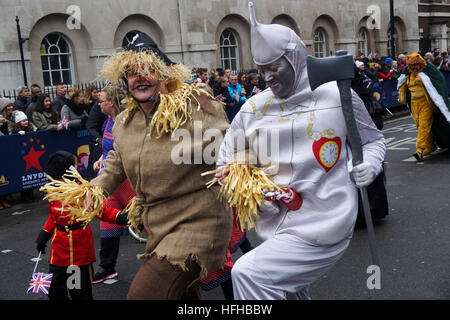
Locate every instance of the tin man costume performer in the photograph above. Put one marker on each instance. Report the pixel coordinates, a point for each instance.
(313, 159)
(189, 229)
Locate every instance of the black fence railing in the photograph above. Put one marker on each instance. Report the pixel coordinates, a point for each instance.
(51, 90)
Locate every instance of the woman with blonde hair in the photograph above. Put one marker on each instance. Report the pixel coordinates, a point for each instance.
(110, 102)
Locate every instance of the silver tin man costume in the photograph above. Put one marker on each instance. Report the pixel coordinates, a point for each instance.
(305, 137)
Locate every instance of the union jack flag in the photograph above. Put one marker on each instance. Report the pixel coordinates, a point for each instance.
(65, 123)
(40, 282)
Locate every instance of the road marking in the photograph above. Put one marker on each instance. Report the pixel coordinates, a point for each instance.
(397, 119)
(6, 251)
(407, 127)
(19, 212)
(395, 145)
(35, 259)
(110, 281)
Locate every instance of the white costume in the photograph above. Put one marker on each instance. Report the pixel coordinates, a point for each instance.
(313, 158)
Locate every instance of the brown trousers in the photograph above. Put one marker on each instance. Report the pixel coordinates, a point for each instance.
(159, 280)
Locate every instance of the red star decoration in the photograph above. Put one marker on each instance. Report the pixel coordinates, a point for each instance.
(32, 159)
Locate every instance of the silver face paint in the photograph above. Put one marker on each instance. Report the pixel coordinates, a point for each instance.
(280, 77)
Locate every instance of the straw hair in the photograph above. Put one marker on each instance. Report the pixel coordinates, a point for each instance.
(142, 63)
(174, 105)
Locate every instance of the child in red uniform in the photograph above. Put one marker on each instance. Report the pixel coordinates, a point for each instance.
(71, 244)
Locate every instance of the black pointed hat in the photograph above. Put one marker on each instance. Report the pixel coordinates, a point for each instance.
(142, 42)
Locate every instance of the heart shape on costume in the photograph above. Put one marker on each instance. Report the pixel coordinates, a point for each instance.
(327, 151)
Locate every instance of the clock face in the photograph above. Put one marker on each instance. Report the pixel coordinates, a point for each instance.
(329, 153)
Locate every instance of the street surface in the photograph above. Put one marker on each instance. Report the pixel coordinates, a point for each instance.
(413, 241)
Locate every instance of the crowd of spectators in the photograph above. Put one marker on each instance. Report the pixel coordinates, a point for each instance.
(379, 69)
(34, 110)
(233, 89)
(66, 110)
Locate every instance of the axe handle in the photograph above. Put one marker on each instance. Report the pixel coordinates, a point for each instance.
(356, 144)
(354, 138)
(369, 225)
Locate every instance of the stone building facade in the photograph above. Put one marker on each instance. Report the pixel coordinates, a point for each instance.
(68, 40)
(434, 24)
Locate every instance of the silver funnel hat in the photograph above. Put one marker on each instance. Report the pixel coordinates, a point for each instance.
(269, 42)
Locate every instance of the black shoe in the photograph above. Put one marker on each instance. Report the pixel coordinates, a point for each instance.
(104, 274)
(418, 156)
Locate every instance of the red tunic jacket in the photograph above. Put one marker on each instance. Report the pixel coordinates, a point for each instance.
(75, 247)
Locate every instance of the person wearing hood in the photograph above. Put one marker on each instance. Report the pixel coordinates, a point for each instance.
(189, 229)
(309, 147)
(422, 86)
(75, 111)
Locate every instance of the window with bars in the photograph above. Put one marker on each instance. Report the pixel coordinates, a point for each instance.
(229, 49)
(56, 59)
(396, 42)
(320, 43)
(362, 42)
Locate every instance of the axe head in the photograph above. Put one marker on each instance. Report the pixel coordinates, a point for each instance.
(323, 70)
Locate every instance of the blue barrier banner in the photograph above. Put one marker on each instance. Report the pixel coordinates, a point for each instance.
(388, 93)
(24, 158)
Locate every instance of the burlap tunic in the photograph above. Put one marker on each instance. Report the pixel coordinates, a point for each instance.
(184, 219)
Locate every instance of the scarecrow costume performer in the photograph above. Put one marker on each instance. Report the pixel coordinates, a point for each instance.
(188, 227)
(423, 88)
(311, 157)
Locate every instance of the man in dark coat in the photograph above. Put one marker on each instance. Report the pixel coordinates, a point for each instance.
(22, 100)
(60, 98)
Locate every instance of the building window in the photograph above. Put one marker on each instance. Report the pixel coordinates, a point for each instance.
(56, 59)
(320, 43)
(229, 49)
(396, 42)
(362, 42)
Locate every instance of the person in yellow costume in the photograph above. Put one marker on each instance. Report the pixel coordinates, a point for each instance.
(423, 88)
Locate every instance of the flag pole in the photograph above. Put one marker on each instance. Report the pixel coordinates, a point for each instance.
(38, 258)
